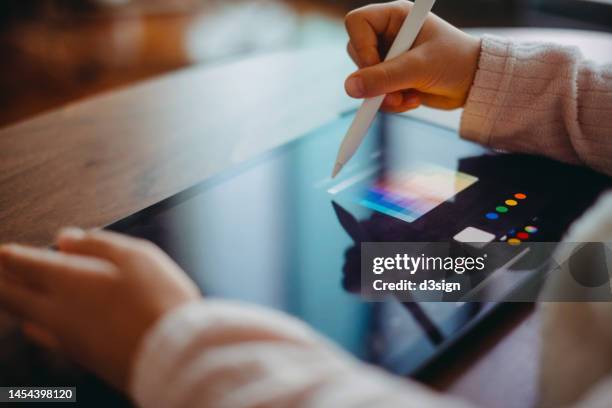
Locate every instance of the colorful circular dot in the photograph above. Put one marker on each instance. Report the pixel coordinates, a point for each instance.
(531, 229)
(523, 236)
(501, 209)
(514, 241)
(520, 196)
(492, 216)
(511, 203)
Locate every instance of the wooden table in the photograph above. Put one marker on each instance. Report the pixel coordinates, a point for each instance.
(99, 160)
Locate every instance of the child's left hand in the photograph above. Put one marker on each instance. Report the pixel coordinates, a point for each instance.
(94, 298)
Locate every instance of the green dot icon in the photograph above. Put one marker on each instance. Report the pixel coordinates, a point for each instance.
(501, 209)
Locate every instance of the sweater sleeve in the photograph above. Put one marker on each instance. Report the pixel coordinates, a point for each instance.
(541, 99)
(224, 354)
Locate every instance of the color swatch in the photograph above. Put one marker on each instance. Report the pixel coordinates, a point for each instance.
(511, 203)
(516, 237)
(508, 205)
(522, 236)
(410, 194)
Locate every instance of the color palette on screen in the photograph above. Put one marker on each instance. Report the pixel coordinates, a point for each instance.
(411, 193)
(523, 236)
(516, 238)
(506, 206)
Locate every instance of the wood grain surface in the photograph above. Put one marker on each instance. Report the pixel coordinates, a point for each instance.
(96, 161)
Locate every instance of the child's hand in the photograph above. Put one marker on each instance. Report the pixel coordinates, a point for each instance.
(438, 71)
(95, 298)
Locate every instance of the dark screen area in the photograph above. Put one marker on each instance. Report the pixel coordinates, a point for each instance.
(277, 231)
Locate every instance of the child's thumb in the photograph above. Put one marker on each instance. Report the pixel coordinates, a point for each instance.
(403, 72)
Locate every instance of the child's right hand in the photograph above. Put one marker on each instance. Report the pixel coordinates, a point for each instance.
(438, 71)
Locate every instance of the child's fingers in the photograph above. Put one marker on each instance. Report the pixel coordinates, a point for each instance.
(100, 244)
(391, 101)
(373, 28)
(404, 72)
(353, 54)
(40, 335)
(363, 39)
(401, 101)
(365, 56)
(367, 24)
(440, 102)
(22, 302)
(48, 270)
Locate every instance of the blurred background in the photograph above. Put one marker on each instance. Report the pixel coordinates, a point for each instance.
(56, 51)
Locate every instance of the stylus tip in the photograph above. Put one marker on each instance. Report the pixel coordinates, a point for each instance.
(337, 169)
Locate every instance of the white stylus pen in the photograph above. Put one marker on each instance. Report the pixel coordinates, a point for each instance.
(367, 112)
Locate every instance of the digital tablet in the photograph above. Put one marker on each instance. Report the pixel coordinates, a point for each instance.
(278, 231)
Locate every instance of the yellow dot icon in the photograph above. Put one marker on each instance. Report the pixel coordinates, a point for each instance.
(512, 203)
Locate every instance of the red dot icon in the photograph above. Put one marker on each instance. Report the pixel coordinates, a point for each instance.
(522, 236)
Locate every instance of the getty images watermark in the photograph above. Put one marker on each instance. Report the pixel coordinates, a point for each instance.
(496, 272)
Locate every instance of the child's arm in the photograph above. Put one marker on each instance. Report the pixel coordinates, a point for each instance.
(541, 99)
(228, 354)
(535, 98)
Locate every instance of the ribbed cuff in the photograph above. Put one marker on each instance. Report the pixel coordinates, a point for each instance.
(158, 354)
(490, 88)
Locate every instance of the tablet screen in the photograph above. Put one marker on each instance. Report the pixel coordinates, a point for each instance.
(278, 231)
